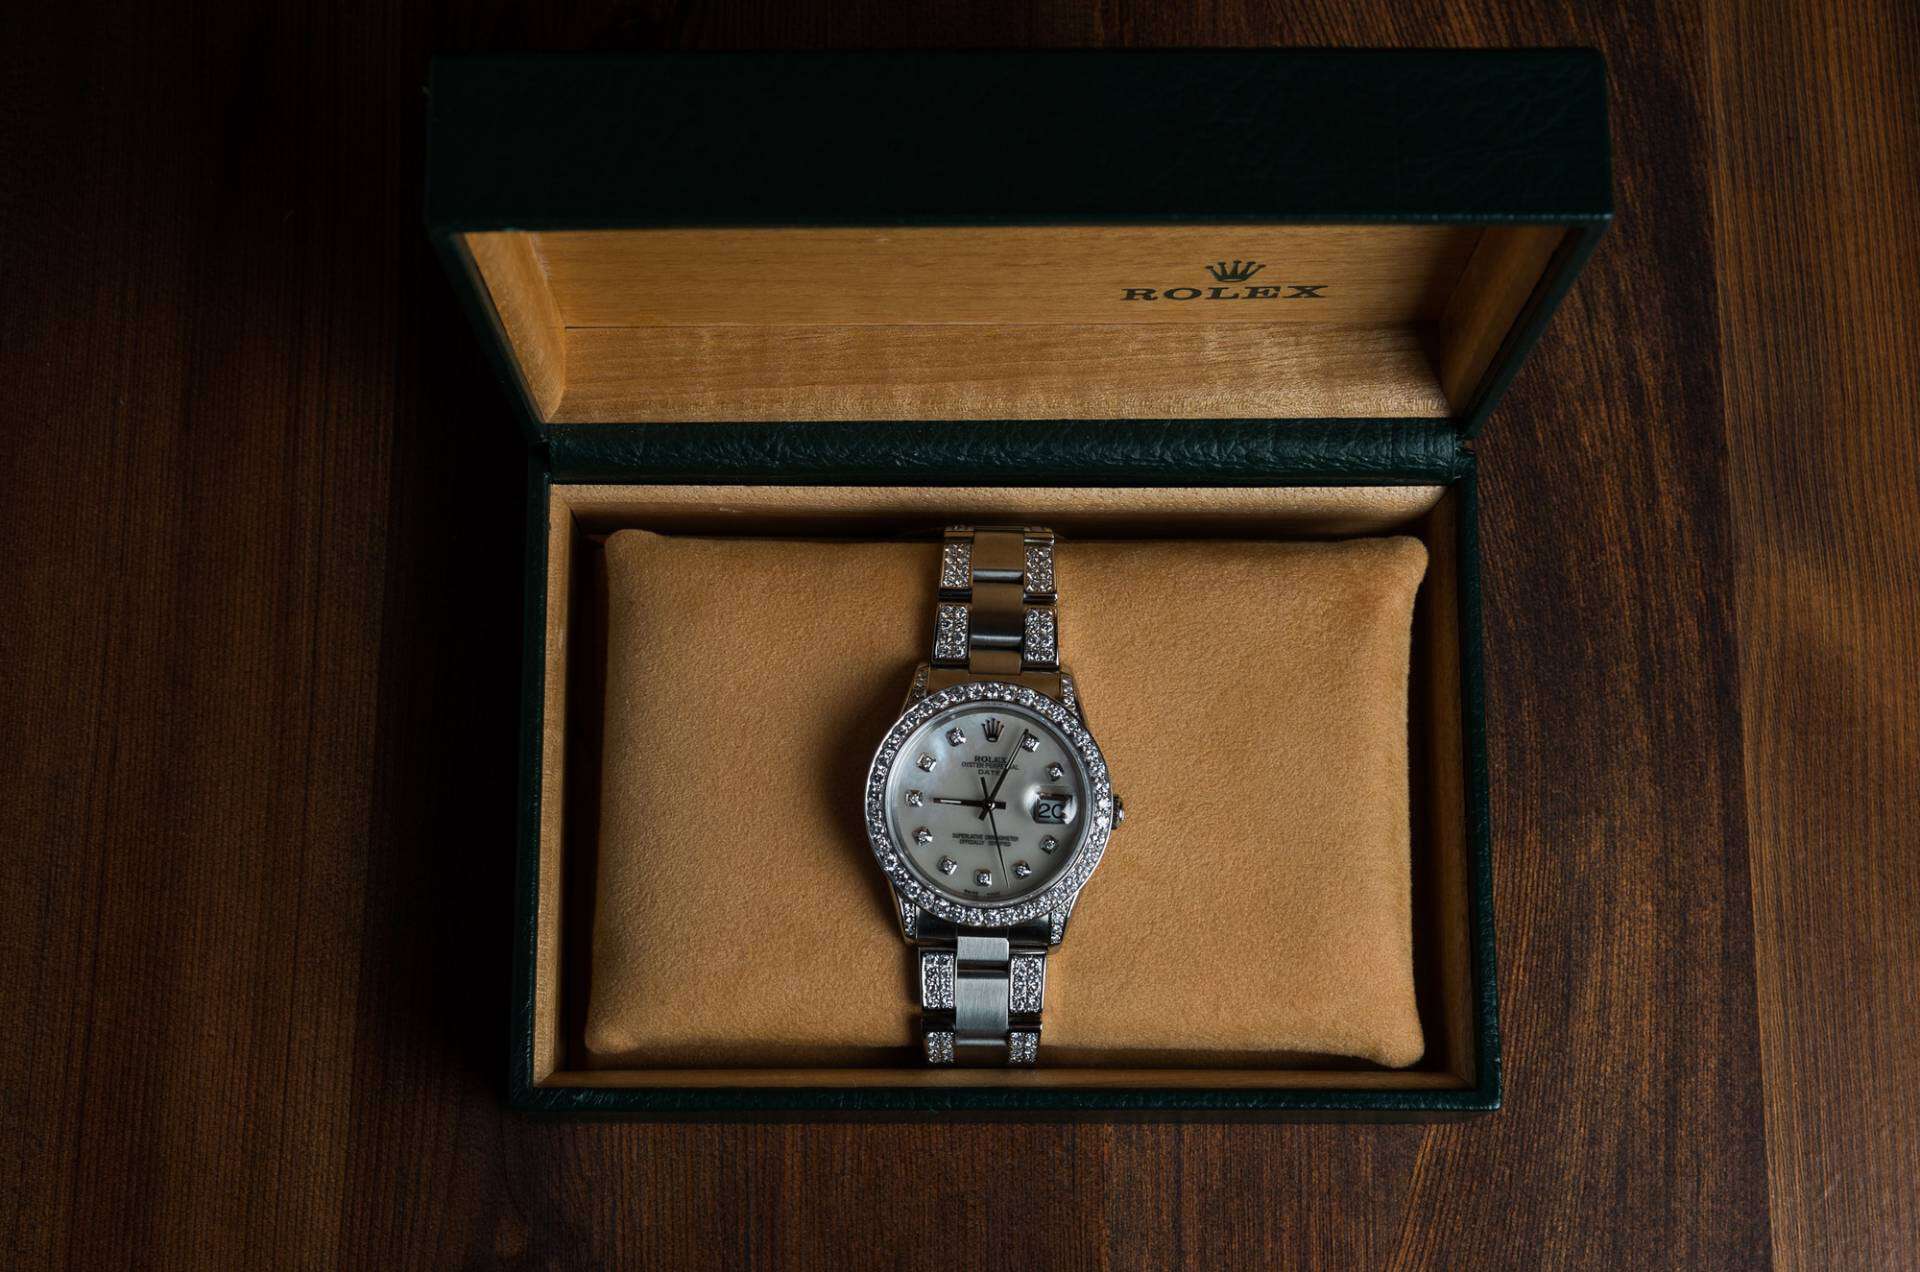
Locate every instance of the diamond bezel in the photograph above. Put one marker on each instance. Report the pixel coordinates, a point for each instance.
(1057, 897)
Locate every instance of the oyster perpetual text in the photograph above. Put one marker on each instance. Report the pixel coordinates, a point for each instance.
(988, 803)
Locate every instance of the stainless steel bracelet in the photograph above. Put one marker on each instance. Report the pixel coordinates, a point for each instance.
(996, 614)
(981, 989)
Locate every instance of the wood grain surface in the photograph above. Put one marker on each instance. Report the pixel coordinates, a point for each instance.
(1820, 335)
(260, 641)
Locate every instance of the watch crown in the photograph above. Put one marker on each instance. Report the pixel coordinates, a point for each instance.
(1119, 810)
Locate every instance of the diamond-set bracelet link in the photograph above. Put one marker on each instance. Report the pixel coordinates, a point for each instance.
(997, 614)
(980, 995)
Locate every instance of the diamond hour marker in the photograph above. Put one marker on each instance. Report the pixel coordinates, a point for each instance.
(1021, 869)
(956, 737)
(1055, 772)
(914, 799)
(1029, 743)
(923, 836)
(1049, 843)
(926, 763)
(984, 878)
(948, 865)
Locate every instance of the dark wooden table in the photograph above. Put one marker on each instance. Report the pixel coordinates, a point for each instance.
(260, 639)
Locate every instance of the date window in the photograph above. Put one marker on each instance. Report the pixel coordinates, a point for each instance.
(1052, 808)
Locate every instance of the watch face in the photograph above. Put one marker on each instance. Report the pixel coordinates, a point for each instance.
(988, 800)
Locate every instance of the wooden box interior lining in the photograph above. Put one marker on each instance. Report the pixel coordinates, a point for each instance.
(581, 517)
(961, 323)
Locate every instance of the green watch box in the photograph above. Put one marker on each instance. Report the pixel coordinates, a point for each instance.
(1280, 292)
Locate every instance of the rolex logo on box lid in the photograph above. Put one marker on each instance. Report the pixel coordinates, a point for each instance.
(1226, 274)
(1238, 272)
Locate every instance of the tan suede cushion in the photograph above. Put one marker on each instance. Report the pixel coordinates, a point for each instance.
(1251, 699)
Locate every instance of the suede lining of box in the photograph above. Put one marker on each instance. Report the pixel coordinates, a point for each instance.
(1252, 701)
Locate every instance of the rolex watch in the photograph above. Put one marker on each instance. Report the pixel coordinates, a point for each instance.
(988, 803)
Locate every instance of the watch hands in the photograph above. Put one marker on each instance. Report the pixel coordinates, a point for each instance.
(987, 812)
(967, 803)
(1006, 767)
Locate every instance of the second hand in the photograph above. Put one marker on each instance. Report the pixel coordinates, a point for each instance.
(1006, 767)
(998, 851)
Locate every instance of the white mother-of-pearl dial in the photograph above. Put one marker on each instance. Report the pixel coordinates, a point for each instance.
(937, 812)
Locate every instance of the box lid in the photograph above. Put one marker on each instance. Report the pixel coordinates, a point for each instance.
(1072, 236)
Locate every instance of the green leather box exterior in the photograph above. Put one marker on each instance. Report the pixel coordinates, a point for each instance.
(1318, 137)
